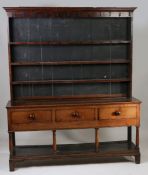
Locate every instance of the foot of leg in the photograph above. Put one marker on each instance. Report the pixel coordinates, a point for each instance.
(137, 159)
(11, 165)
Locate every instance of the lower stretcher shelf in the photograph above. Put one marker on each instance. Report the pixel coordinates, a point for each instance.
(73, 153)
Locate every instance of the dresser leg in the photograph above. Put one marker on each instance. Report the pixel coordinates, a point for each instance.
(137, 137)
(97, 139)
(13, 138)
(11, 165)
(11, 149)
(11, 142)
(54, 140)
(129, 134)
(137, 159)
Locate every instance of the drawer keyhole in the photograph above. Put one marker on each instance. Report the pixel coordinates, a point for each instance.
(31, 117)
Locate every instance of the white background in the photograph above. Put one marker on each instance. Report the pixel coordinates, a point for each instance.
(140, 88)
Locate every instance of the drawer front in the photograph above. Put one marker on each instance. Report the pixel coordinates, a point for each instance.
(31, 117)
(117, 112)
(75, 114)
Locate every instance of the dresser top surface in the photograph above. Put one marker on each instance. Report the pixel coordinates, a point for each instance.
(71, 102)
(72, 8)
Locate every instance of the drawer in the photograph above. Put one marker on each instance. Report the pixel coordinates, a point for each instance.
(31, 116)
(117, 112)
(75, 114)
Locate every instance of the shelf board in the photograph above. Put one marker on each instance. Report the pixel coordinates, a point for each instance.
(69, 153)
(71, 81)
(70, 98)
(72, 42)
(56, 63)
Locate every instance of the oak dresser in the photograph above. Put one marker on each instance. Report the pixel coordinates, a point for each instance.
(71, 68)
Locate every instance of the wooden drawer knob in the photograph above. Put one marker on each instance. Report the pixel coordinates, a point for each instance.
(31, 116)
(117, 113)
(75, 114)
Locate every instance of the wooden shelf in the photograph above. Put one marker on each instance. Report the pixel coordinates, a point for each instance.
(72, 42)
(56, 63)
(62, 99)
(105, 147)
(71, 81)
(74, 153)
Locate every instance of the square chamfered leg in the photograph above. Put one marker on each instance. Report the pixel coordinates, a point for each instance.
(97, 139)
(11, 149)
(129, 134)
(137, 157)
(11, 165)
(54, 140)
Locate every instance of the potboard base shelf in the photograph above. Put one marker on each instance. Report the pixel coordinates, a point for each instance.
(73, 154)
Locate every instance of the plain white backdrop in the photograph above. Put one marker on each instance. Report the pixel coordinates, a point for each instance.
(140, 88)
